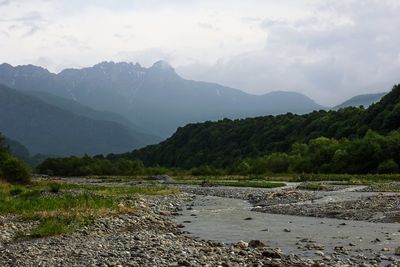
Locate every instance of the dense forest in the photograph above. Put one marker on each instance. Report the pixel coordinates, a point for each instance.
(350, 140)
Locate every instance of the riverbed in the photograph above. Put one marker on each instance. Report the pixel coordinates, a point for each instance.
(231, 220)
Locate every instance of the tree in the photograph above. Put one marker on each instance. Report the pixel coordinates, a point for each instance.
(15, 171)
(388, 166)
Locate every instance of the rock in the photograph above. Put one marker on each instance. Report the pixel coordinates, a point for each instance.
(248, 219)
(165, 213)
(256, 244)
(319, 253)
(327, 258)
(270, 253)
(184, 263)
(397, 251)
(287, 230)
(242, 244)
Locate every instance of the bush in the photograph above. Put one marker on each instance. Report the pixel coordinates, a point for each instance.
(388, 166)
(54, 187)
(16, 191)
(205, 170)
(15, 171)
(278, 162)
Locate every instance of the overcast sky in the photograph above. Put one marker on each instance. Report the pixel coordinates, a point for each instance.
(327, 49)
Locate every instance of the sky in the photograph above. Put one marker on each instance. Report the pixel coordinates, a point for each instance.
(329, 50)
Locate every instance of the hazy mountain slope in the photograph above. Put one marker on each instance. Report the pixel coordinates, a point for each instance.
(361, 100)
(17, 149)
(224, 143)
(47, 129)
(154, 98)
(79, 109)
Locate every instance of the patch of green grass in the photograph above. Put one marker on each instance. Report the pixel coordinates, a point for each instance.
(130, 190)
(66, 212)
(30, 202)
(352, 178)
(385, 187)
(55, 226)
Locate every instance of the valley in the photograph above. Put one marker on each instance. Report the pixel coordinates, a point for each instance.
(200, 133)
(180, 224)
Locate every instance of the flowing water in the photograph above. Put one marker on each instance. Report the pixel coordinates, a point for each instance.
(224, 220)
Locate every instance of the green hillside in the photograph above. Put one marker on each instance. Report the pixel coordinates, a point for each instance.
(225, 143)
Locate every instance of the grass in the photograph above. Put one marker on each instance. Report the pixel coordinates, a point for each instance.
(125, 190)
(62, 208)
(350, 178)
(385, 187)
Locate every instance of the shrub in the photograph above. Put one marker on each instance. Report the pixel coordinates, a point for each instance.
(15, 171)
(54, 187)
(16, 191)
(388, 166)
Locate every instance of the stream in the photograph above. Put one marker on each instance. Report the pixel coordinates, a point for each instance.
(224, 220)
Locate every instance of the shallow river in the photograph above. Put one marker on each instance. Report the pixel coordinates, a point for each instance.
(224, 220)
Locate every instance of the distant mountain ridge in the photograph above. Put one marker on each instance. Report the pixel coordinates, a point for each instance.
(47, 129)
(78, 109)
(155, 98)
(364, 100)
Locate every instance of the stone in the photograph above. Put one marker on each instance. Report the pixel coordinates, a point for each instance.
(270, 253)
(165, 213)
(319, 253)
(242, 244)
(256, 244)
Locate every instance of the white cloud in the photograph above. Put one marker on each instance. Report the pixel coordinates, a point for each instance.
(328, 49)
(339, 51)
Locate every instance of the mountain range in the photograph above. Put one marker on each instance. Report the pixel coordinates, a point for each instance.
(364, 100)
(156, 99)
(114, 107)
(48, 129)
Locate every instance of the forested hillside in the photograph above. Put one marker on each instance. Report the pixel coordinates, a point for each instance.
(227, 143)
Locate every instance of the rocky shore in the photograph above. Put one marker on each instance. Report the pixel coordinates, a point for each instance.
(379, 207)
(149, 237)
